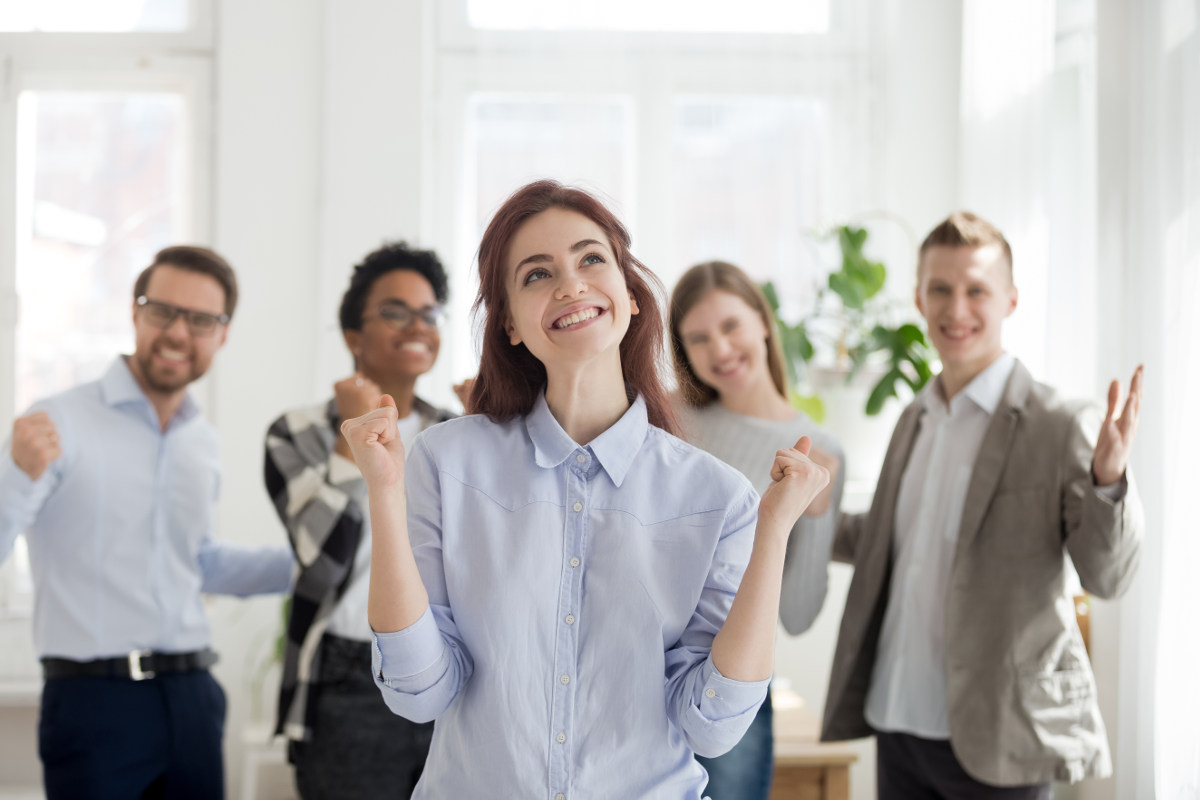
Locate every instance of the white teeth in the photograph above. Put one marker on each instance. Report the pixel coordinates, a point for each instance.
(577, 317)
(174, 355)
(415, 347)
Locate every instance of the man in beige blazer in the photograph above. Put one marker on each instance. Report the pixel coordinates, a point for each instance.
(958, 646)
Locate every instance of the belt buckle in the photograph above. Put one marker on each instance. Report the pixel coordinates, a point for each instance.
(135, 666)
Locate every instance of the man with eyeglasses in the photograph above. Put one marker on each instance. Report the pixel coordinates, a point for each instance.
(115, 484)
(343, 741)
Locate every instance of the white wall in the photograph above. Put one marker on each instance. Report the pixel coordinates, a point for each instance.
(266, 198)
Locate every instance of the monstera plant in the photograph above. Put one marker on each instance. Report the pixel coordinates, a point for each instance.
(854, 329)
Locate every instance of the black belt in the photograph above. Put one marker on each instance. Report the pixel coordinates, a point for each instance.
(138, 665)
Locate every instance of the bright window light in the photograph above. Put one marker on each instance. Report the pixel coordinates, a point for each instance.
(93, 16)
(748, 178)
(100, 190)
(685, 16)
(516, 138)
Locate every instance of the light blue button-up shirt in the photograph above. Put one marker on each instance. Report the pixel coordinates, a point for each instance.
(120, 526)
(574, 596)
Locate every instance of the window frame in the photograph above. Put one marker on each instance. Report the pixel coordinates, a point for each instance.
(179, 63)
(653, 70)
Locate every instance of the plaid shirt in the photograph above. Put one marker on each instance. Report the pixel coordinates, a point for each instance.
(324, 520)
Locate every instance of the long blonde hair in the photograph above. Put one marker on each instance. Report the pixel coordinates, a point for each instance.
(693, 287)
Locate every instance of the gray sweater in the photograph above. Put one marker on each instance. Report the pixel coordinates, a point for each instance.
(748, 444)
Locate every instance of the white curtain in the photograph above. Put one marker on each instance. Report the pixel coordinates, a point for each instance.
(1177, 728)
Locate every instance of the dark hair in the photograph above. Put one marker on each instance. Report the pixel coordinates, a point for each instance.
(388, 258)
(694, 286)
(193, 258)
(964, 229)
(510, 377)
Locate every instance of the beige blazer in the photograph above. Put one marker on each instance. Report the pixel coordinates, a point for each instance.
(1021, 695)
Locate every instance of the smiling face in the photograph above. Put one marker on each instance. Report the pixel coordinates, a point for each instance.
(387, 354)
(725, 341)
(567, 301)
(165, 360)
(965, 293)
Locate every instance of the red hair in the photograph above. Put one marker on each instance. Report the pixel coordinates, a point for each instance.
(510, 377)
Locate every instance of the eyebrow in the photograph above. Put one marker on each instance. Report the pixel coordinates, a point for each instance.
(542, 257)
(404, 303)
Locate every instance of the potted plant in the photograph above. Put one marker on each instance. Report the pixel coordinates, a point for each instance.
(848, 328)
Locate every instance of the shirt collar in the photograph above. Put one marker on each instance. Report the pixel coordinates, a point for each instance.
(119, 387)
(985, 391)
(614, 449)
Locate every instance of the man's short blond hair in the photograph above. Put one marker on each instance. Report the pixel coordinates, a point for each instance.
(964, 229)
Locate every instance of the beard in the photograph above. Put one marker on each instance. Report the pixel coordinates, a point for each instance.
(164, 380)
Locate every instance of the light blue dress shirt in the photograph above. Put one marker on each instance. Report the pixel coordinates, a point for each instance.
(574, 596)
(120, 527)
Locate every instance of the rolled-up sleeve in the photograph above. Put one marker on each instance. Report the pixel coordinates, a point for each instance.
(421, 669)
(712, 711)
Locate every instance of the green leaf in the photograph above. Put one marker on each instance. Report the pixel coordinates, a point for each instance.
(804, 345)
(811, 405)
(848, 289)
(883, 390)
(768, 290)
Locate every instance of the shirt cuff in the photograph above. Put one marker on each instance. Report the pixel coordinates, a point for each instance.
(720, 698)
(15, 485)
(1114, 492)
(410, 655)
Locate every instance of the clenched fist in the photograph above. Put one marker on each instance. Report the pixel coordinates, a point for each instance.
(34, 443)
(374, 441)
(795, 481)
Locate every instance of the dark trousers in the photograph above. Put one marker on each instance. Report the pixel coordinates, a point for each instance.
(118, 739)
(745, 772)
(911, 768)
(359, 748)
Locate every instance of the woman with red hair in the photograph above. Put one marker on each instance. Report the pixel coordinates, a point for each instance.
(581, 600)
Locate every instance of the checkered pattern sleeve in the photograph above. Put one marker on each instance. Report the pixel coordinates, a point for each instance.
(313, 490)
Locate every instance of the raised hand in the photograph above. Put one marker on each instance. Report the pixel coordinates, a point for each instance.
(35, 443)
(824, 499)
(355, 396)
(463, 392)
(796, 480)
(374, 441)
(1116, 434)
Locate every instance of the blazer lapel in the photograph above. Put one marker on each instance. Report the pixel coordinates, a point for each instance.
(893, 469)
(993, 453)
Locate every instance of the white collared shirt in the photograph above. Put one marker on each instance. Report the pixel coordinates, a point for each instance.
(908, 684)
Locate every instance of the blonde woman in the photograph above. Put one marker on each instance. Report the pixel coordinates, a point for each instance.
(729, 366)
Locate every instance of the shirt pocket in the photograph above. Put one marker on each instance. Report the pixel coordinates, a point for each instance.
(1056, 704)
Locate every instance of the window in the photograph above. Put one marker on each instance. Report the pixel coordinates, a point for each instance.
(104, 141)
(94, 15)
(749, 16)
(723, 143)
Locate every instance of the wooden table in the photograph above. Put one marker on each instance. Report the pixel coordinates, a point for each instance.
(806, 769)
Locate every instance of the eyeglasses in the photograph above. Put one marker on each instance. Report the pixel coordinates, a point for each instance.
(399, 315)
(163, 315)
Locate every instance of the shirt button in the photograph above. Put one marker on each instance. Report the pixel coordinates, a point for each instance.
(581, 458)
(574, 562)
(578, 506)
(710, 692)
(560, 796)
(562, 737)
(570, 619)
(565, 679)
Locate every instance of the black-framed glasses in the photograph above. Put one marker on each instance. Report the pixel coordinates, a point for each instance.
(163, 315)
(398, 314)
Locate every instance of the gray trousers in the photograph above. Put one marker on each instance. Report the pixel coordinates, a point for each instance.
(359, 748)
(911, 768)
